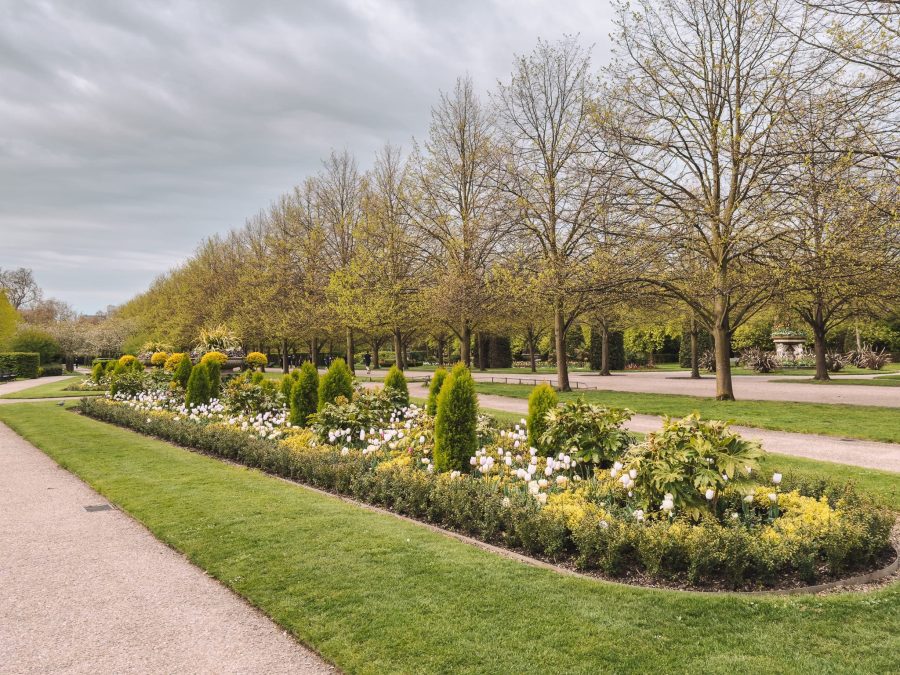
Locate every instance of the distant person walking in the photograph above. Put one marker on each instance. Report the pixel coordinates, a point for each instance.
(367, 359)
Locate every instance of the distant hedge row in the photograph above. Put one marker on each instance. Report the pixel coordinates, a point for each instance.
(23, 364)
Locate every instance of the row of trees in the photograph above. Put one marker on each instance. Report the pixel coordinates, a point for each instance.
(736, 153)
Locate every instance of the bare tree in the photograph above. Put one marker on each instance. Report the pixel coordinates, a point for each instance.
(554, 173)
(703, 84)
(21, 289)
(453, 200)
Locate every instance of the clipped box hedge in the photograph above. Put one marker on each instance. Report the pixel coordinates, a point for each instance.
(23, 364)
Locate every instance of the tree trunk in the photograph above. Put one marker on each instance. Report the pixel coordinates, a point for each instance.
(284, 358)
(440, 351)
(651, 359)
(532, 346)
(314, 351)
(398, 350)
(695, 361)
(722, 340)
(350, 350)
(562, 362)
(465, 345)
(604, 349)
(376, 347)
(819, 334)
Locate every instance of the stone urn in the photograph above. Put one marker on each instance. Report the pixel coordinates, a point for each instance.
(789, 344)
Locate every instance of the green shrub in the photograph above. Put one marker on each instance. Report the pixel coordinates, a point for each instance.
(51, 370)
(183, 370)
(592, 433)
(338, 381)
(542, 400)
(198, 386)
(110, 367)
(286, 385)
(304, 396)
(434, 388)
(214, 372)
(23, 364)
(397, 381)
(455, 427)
(158, 359)
(97, 373)
(34, 340)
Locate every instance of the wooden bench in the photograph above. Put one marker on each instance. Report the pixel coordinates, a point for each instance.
(7, 375)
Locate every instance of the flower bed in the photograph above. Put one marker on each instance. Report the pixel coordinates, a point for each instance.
(687, 507)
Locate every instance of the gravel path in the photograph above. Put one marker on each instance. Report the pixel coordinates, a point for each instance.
(19, 385)
(94, 592)
(868, 454)
(746, 387)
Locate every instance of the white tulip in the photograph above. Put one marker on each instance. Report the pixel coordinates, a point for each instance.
(776, 478)
(710, 494)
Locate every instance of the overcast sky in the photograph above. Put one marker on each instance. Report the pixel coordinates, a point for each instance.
(131, 130)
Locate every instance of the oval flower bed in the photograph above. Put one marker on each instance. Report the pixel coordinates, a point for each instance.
(687, 507)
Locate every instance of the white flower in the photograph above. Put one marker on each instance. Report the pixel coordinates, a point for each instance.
(776, 478)
(710, 493)
(667, 504)
(561, 480)
(639, 515)
(633, 474)
(548, 471)
(345, 451)
(521, 474)
(773, 497)
(523, 422)
(617, 466)
(506, 502)
(533, 487)
(542, 483)
(734, 516)
(613, 472)
(604, 525)
(454, 474)
(749, 498)
(541, 497)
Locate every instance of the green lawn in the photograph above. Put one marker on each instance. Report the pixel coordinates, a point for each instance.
(52, 390)
(375, 594)
(849, 421)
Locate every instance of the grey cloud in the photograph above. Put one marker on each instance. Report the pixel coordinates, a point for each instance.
(130, 130)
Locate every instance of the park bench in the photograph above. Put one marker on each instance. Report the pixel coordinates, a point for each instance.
(7, 375)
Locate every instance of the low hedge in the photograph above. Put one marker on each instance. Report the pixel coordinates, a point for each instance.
(23, 364)
(704, 553)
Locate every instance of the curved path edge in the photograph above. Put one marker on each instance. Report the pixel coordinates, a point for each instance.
(94, 591)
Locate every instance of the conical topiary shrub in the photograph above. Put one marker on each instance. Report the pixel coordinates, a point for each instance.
(455, 427)
(338, 381)
(396, 381)
(437, 381)
(304, 394)
(197, 392)
(214, 372)
(183, 371)
(542, 400)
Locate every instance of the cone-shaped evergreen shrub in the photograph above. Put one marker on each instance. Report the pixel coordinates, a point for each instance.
(455, 427)
(338, 381)
(183, 372)
(542, 400)
(97, 372)
(214, 371)
(110, 367)
(304, 394)
(396, 380)
(287, 385)
(437, 381)
(198, 386)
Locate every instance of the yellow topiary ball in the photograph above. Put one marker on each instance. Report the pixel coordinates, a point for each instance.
(127, 360)
(158, 360)
(173, 361)
(214, 356)
(256, 360)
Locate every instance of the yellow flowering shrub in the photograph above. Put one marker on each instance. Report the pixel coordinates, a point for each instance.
(256, 360)
(127, 361)
(173, 361)
(158, 359)
(218, 357)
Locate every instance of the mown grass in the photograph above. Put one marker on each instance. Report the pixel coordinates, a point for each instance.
(52, 390)
(375, 594)
(846, 421)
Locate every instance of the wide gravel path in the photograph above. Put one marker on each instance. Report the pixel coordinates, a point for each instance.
(19, 385)
(95, 592)
(869, 454)
(746, 387)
